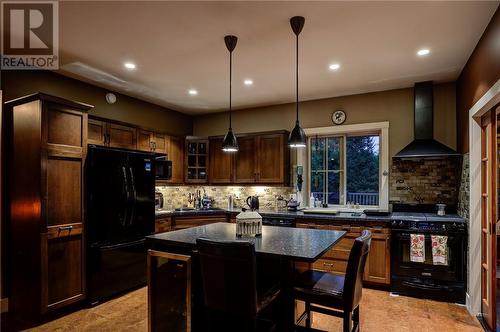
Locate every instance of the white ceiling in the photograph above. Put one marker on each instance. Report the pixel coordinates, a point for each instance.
(179, 46)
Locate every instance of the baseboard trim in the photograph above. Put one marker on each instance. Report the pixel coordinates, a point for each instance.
(4, 305)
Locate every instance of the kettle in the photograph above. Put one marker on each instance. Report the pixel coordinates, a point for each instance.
(253, 202)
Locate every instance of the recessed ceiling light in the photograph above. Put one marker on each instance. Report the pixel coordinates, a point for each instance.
(248, 82)
(193, 92)
(423, 52)
(334, 66)
(129, 65)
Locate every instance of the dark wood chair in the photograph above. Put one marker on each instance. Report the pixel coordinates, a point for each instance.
(232, 297)
(341, 294)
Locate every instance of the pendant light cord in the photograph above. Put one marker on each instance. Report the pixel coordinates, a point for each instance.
(230, 85)
(297, 76)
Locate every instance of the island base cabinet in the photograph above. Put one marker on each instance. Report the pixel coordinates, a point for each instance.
(169, 292)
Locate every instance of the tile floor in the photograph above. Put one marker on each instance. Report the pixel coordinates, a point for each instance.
(379, 312)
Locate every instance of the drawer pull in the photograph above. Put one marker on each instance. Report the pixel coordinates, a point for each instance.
(346, 227)
(328, 264)
(65, 228)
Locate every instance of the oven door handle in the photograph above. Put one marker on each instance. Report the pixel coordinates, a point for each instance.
(420, 286)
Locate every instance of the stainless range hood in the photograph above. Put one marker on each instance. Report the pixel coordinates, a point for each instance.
(424, 145)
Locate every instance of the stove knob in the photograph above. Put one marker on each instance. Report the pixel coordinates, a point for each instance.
(401, 224)
(394, 223)
(443, 227)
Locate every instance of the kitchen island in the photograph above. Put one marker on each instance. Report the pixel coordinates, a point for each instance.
(283, 246)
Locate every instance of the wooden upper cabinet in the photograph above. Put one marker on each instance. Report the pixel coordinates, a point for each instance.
(160, 143)
(221, 163)
(145, 140)
(120, 136)
(245, 168)
(96, 132)
(176, 155)
(272, 159)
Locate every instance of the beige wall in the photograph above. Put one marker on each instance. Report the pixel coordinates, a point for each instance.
(395, 106)
(127, 109)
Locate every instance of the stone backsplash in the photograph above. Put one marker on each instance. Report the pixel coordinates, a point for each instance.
(427, 181)
(177, 196)
(464, 191)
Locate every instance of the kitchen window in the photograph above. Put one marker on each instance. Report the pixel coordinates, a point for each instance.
(348, 165)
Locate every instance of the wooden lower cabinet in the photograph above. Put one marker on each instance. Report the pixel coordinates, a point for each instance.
(378, 264)
(64, 270)
(377, 269)
(193, 221)
(163, 224)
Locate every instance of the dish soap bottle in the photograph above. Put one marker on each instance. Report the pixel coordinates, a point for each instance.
(311, 201)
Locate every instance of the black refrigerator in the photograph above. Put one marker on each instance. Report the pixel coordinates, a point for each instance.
(120, 213)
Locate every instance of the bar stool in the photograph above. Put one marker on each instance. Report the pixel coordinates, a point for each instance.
(341, 294)
(232, 299)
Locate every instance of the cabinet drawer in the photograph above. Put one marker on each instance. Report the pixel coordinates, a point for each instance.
(163, 225)
(59, 231)
(187, 222)
(330, 265)
(378, 230)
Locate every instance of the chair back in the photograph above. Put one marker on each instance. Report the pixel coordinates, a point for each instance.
(228, 271)
(353, 282)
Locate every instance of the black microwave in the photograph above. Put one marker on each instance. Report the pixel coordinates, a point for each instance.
(163, 168)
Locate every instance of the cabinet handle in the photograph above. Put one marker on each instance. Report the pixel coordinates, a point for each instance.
(65, 228)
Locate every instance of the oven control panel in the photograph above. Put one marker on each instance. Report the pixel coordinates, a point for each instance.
(426, 226)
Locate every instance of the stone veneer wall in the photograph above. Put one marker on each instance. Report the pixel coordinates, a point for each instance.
(427, 181)
(464, 191)
(177, 196)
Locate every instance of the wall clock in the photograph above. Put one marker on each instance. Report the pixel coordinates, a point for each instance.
(338, 117)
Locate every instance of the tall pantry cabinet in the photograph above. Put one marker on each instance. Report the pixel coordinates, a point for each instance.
(47, 153)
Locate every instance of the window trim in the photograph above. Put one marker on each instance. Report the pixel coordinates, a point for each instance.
(381, 128)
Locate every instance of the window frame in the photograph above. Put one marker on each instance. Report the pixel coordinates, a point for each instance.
(377, 128)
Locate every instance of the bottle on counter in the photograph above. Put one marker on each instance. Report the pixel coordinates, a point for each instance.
(311, 200)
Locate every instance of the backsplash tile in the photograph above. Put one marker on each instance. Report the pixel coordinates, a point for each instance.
(427, 181)
(464, 192)
(177, 196)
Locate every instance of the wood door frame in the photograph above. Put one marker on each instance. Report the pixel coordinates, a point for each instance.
(481, 107)
(488, 218)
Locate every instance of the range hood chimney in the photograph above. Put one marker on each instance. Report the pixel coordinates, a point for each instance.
(424, 145)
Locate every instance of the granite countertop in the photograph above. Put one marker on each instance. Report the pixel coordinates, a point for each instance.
(292, 243)
(411, 216)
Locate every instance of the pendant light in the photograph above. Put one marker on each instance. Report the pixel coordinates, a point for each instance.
(297, 138)
(230, 144)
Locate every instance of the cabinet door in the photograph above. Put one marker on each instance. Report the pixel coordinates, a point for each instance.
(145, 140)
(378, 268)
(245, 170)
(270, 159)
(160, 143)
(221, 163)
(63, 268)
(122, 136)
(96, 132)
(176, 155)
(163, 225)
